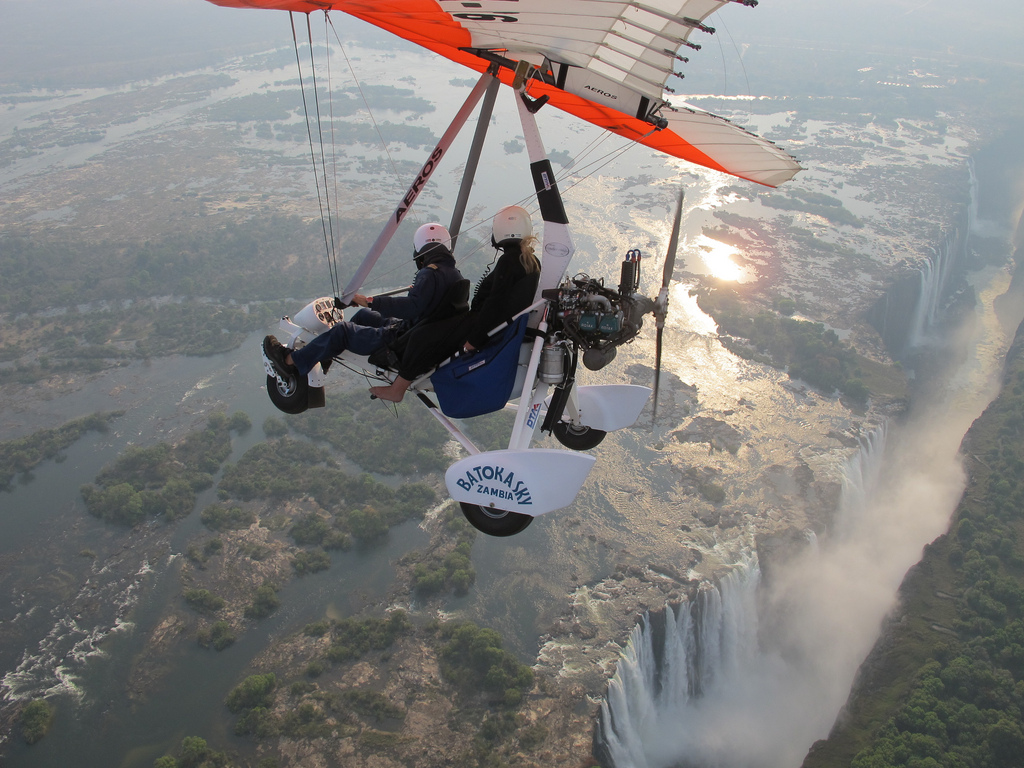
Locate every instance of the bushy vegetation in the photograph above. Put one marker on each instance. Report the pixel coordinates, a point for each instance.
(220, 517)
(352, 638)
(217, 636)
(310, 561)
(362, 507)
(472, 658)
(25, 453)
(408, 444)
(965, 706)
(453, 571)
(203, 600)
(254, 691)
(195, 753)
(161, 480)
(313, 529)
(372, 704)
(199, 555)
(807, 350)
(36, 718)
(264, 602)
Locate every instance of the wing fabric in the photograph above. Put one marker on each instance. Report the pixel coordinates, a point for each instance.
(605, 61)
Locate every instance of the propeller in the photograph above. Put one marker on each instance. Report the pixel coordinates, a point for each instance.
(661, 304)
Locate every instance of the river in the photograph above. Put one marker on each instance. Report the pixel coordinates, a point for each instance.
(75, 624)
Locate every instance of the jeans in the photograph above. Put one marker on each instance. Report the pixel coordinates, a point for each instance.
(365, 333)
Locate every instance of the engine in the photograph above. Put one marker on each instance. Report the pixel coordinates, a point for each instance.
(596, 318)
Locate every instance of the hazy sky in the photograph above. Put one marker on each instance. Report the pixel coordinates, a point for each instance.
(36, 37)
(986, 28)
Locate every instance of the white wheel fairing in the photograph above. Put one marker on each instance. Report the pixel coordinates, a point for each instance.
(530, 482)
(611, 406)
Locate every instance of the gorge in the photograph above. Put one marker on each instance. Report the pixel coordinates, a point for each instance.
(751, 671)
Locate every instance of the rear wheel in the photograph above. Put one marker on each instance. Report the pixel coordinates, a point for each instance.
(289, 393)
(495, 522)
(577, 438)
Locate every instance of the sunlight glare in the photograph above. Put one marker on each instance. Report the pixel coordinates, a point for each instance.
(718, 259)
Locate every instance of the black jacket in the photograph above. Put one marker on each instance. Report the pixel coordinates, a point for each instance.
(503, 292)
(438, 274)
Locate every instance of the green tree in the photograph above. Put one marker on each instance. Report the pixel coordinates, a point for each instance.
(367, 524)
(36, 718)
(193, 751)
(240, 422)
(254, 691)
(264, 603)
(311, 562)
(203, 600)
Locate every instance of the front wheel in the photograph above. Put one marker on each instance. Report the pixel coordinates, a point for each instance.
(289, 393)
(495, 522)
(577, 438)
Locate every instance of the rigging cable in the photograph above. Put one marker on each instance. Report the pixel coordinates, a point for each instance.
(332, 254)
(743, 66)
(335, 284)
(334, 150)
(359, 87)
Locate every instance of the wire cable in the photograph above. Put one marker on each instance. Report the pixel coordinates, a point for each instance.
(335, 285)
(362, 95)
(334, 151)
(743, 66)
(332, 255)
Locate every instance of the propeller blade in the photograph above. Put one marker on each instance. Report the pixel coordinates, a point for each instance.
(673, 243)
(657, 372)
(661, 305)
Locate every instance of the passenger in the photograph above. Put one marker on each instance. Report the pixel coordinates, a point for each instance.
(503, 292)
(382, 318)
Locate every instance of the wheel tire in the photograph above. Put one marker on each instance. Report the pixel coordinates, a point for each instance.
(495, 522)
(292, 396)
(577, 438)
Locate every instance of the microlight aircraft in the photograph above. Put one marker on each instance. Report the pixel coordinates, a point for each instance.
(607, 62)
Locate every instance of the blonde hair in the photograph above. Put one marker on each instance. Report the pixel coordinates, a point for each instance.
(527, 256)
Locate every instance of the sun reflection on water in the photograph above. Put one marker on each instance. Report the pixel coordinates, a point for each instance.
(718, 258)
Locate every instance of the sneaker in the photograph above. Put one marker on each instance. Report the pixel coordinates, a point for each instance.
(277, 353)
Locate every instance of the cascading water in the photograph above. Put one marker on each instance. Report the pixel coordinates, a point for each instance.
(937, 270)
(675, 664)
(702, 684)
(860, 477)
(908, 314)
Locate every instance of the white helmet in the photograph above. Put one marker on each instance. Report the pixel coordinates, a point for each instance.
(430, 233)
(511, 223)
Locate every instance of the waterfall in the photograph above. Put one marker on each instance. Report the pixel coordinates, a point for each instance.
(860, 478)
(749, 674)
(939, 267)
(908, 314)
(674, 663)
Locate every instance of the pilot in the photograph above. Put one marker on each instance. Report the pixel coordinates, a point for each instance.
(381, 318)
(502, 292)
